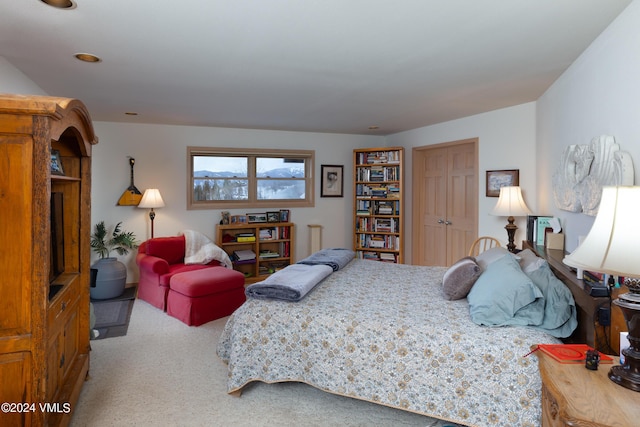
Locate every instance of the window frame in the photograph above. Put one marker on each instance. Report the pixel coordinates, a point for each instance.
(252, 153)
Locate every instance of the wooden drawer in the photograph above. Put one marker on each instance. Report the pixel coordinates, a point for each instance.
(63, 301)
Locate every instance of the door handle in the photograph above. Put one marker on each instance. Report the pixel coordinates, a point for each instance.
(441, 221)
(447, 223)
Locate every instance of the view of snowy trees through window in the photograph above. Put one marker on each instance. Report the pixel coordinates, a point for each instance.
(228, 178)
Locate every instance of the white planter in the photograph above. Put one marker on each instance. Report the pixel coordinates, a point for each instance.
(111, 279)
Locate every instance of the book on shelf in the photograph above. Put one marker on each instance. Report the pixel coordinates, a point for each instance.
(542, 225)
(268, 233)
(245, 239)
(244, 255)
(387, 256)
(570, 353)
(269, 254)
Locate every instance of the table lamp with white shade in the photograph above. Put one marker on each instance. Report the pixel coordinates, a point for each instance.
(511, 204)
(613, 247)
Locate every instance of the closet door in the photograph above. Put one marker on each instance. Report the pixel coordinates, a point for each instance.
(430, 207)
(445, 200)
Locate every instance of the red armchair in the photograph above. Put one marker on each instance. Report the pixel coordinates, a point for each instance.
(158, 259)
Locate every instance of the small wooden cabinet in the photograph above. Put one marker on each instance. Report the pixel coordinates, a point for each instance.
(573, 395)
(44, 257)
(272, 243)
(378, 204)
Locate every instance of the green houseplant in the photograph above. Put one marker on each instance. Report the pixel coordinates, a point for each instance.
(120, 241)
(108, 275)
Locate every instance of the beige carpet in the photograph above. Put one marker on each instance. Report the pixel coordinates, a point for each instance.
(164, 373)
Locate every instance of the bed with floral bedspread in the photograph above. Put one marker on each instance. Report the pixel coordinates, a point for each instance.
(384, 333)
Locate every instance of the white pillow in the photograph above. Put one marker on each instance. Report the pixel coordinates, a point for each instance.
(529, 261)
(492, 255)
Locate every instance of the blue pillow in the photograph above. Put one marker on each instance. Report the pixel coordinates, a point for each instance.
(504, 295)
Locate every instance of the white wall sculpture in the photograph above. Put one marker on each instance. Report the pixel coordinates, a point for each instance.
(585, 169)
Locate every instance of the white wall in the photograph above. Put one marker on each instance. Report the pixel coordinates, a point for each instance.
(598, 95)
(506, 141)
(160, 152)
(13, 80)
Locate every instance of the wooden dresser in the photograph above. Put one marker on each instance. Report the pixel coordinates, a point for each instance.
(573, 395)
(44, 257)
(604, 338)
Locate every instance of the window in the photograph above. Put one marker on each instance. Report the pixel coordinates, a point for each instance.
(236, 178)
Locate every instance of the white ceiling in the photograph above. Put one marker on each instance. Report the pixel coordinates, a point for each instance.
(308, 65)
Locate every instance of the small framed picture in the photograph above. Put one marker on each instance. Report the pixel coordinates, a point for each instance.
(56, 163)
(256, 217)
(238, 219)
(501, 178)
(273, 216)
(331, 182)
(284, 215)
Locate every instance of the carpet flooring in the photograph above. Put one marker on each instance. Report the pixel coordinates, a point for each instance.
(165, 373)
(113, 315)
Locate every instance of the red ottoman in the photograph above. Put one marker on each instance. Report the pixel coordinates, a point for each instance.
(200, 296)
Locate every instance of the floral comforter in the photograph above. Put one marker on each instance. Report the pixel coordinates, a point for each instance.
(384, 333)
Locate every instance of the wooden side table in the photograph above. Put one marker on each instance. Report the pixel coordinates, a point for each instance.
(573, 395)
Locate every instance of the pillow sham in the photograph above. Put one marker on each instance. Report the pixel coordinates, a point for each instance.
(504, 295)
(459, 278)
(529, 261)
(491, 255)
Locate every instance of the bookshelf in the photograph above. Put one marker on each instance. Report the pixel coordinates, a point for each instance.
(258, 249)
(378, 204)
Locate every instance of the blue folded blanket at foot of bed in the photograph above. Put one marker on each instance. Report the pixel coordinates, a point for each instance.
(291, 283)
(336, 258)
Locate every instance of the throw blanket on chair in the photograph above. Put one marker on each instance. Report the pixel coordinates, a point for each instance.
(200, 250)
(336, 258)
(291, 283)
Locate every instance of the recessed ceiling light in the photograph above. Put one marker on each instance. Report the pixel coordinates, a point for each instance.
(87, 57)
(374, 127)
(60, 4)
(131, 113)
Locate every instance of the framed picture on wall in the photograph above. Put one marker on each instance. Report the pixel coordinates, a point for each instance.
(331, 182)
(501, 178)
(56, 163)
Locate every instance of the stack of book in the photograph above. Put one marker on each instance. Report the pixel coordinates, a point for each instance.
(243, 257)
(245, 237)
(387, 257)
(269, 254)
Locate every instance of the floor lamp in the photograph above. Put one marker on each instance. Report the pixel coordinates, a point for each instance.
(151, 199)
(510, 204)
(611, 247)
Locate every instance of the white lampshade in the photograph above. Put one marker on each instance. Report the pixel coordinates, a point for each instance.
(151, 199)
(612, 246)
(510, 203)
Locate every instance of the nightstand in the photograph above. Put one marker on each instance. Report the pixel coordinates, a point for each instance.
(572, 395)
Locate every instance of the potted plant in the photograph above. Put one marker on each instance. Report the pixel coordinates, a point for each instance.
(108, 275)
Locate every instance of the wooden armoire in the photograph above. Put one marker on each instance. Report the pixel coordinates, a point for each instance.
(45, 215)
